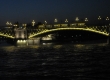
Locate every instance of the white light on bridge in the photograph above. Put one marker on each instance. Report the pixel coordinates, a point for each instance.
(55, 20)
(45, 22)
(77, 19)
(66, 20)
(86, 19)
(99, 18)
(33, 23)
(107, 18)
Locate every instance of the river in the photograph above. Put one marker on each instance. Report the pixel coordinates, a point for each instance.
(50, 61)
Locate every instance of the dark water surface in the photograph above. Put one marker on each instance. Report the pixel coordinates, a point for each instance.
(55, 62)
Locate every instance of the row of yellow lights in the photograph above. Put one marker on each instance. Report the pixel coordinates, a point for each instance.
(107, 34)
(6, 35)
(77, 19)
(104, 33)
(21, 41)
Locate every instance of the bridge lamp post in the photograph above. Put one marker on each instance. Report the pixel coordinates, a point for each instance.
(66, 21)
(77, 19)
(45, 22)
(99, 18)
(107, 19)
(86, 20)
(33, 23)
(55, 20)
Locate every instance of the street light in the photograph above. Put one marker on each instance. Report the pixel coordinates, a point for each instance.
(45, 22)
(99, 18)
(86, 19)
(33, 23)
(66, 20)
(107, 18)
(55, 20)
(77, 19)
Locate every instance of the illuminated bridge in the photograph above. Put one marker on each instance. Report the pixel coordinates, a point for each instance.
(23, 33)
(8, 33)
(103, 30)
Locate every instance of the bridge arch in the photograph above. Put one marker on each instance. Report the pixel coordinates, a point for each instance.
(43, 31)
(6, 35)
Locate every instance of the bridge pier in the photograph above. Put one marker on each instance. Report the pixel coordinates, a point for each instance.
(21, 42)
(33, 41)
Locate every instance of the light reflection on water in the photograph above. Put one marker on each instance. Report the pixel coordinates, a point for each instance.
(62, 61)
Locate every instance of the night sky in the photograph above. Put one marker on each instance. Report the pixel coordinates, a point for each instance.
(24, 11)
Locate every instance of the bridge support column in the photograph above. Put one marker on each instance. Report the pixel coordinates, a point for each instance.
(33, 41)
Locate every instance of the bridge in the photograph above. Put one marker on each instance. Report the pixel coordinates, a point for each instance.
(103, 31)
(25, 33)
(7, 33)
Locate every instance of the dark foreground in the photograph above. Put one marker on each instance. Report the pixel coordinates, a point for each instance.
(55, 62)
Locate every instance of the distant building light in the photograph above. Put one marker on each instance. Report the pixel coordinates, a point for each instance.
(8, 23)
(15, 25)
